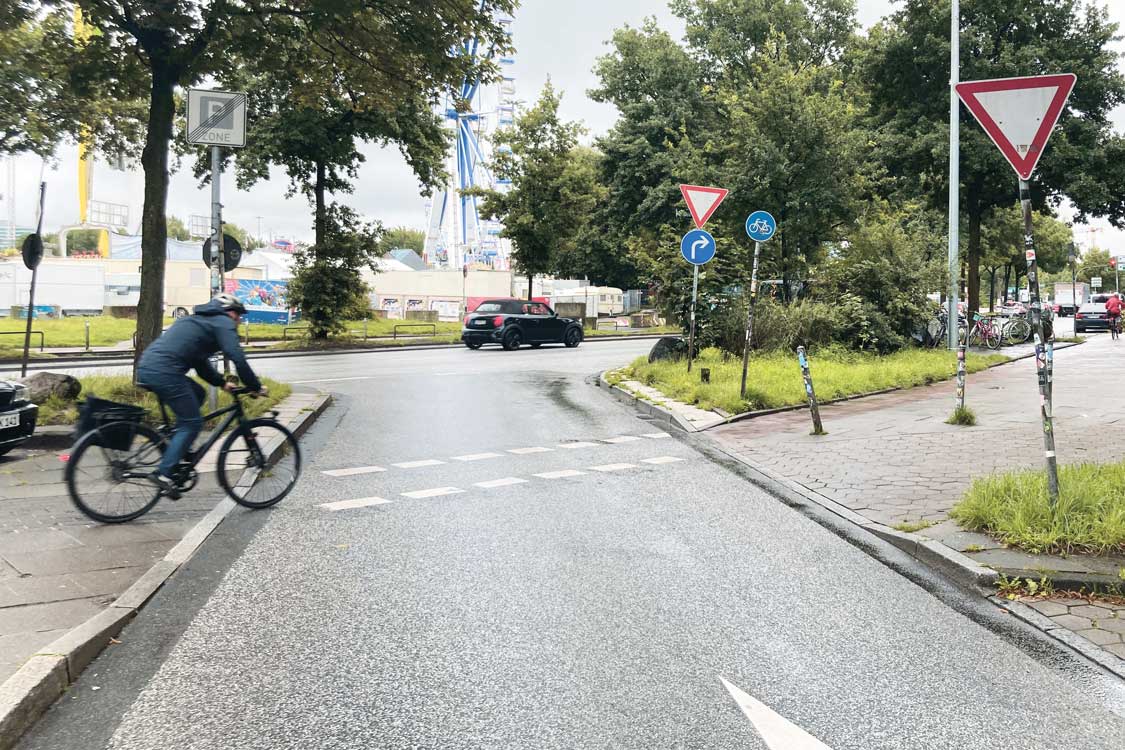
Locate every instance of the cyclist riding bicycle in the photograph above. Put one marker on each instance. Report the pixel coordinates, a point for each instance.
(189, 344)
(1113, 307)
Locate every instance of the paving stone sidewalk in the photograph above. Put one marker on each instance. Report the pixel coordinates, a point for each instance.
(893, 460)
(58, 568)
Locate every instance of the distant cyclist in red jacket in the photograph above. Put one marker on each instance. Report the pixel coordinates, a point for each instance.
(1113, 307)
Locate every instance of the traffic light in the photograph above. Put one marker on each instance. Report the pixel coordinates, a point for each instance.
(1113, 263)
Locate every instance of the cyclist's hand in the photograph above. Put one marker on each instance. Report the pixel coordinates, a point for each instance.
(228, 386)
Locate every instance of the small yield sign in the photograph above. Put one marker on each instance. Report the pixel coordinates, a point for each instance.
(698, 246)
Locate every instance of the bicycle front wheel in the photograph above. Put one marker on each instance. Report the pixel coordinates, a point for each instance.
(259, 463)
(1018, 331)
(108, 471)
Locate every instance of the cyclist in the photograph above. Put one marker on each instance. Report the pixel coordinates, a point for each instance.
(189, 344)
(1113, 307)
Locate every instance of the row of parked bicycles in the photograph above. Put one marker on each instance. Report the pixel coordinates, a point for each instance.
(1007, 328)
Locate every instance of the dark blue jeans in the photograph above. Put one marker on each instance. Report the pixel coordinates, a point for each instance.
(183, 396)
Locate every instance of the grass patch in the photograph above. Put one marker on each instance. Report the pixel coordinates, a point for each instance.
(1069, 339)
(1013, 508)
(774, 378)
(105, 330)
(56, 411)
(654, 331)
(307, 345)
(375, 327)
(909, 527)
(962, 416)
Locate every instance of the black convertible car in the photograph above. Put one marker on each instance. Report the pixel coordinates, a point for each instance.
(17, 415)
(512, 323)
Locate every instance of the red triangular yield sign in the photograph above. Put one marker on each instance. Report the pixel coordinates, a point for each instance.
(1018, 113)
(702, 201)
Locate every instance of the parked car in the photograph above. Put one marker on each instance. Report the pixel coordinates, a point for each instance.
(1091, 316)
(513, 323)
(17, 415)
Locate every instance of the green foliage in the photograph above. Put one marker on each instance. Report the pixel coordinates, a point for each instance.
(1095, 262)
(1013, 507)
(327, 285)
(177, 230)
(404, 237)
(962, 416)
(910, 527)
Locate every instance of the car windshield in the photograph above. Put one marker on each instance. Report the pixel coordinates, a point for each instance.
(490, 307)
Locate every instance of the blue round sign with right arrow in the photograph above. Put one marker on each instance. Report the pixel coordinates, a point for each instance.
(697, 247)
(761, 226)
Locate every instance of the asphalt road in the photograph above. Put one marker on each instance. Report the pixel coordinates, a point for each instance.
(529, 565)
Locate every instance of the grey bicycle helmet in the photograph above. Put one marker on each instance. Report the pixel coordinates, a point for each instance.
(230, 303)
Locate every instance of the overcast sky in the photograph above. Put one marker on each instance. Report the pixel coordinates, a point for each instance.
(560, 40)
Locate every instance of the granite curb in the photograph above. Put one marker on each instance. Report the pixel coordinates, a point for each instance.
(26, 695)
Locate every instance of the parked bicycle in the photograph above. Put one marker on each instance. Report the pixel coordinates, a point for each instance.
(109, 470)
(984, 332)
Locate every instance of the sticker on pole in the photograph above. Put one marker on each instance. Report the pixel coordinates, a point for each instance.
(697, 247)
(216, 118)
(761, 226)
(1018, 114)
(702, 201)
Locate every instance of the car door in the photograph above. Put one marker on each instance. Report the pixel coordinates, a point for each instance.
(529, 323)
(552, 325)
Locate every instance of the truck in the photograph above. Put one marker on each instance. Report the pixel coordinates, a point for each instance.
(1069, 297)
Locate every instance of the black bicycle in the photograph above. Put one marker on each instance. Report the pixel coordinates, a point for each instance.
(109, 470)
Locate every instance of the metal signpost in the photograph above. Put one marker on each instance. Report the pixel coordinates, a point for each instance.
(1019, 114)
(810, 393)
(954, 174)
(761, 227)
(697, 246)
(32, 255)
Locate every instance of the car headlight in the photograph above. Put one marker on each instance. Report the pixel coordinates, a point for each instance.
(22, 395)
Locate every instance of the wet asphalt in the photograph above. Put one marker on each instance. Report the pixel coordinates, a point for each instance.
(550, 571)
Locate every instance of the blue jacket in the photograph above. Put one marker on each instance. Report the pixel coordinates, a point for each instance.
(191, 341)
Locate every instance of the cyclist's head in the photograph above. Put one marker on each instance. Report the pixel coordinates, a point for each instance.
(230, 304)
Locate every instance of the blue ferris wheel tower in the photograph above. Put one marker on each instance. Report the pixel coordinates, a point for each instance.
(457, 235)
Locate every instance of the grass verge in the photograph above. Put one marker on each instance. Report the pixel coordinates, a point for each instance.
(104, 331)
(774, 379)
(962, 416)
(56, 411)
(1013, 508)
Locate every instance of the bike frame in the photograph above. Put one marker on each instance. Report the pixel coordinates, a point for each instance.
(234, 414)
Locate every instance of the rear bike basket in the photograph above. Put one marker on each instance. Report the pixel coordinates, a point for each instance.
(115, 423)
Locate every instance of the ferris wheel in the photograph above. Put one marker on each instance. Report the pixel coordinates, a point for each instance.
(457, 236)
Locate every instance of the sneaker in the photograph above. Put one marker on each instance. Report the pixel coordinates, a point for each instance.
(167, 487)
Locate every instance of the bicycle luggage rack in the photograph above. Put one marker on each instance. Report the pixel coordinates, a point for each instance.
(431, 326)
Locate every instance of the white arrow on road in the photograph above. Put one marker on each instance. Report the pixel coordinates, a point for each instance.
(775, 730)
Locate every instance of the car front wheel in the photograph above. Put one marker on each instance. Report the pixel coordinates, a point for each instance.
(512, 341)
(573, 338)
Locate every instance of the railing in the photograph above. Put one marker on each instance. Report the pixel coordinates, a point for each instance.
(431, 326)
(285, 331)
(22, 333)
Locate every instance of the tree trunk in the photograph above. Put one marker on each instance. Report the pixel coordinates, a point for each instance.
(974, 260)
(1007, 281)
(530, 276)
(154, 227)
(992, 290)
(321, 208)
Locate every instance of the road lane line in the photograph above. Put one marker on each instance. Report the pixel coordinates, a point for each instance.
(613, 467)
(561, 474)
(621, 439)
(579, 444)
(419, 464)
(662, 460)
(526, 451)
(775, 730)
(476, 457)
(435, 492)
(656, 435)
(505, 482)
(360, 502)
(353, 472)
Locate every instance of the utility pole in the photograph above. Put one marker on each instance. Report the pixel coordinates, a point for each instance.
(954, 172)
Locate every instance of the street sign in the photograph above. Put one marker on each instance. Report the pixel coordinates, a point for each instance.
(216, 118)
(232, 253)
(761, 226)
(32, 251)
(1096, 282)
(697, 247)
(702, 201)
(1018, 113)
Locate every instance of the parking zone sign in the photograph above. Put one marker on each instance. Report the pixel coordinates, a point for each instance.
(216, 118)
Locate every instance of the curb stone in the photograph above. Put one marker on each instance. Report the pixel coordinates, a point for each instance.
(1100, 656)
(26, 695)
(657, 413)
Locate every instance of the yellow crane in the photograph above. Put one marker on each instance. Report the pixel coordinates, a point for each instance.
(82, 33)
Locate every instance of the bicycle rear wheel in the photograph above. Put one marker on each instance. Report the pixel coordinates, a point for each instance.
(107, 472)
(259, 463)
(1017, 331)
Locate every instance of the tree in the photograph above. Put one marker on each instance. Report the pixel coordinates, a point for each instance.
(906, 65)
(177, 230)
(1095, 264)
(404, 237)
(541, 212)
(1002, 246)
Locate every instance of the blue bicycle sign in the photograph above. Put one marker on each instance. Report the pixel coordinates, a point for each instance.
(697, 247)
(761, 226)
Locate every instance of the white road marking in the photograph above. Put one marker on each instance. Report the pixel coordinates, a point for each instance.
(331, 380)
(476, 457)
(662, 460)
(775, 730)
(435, 492)
(580, 444)
(419, 464)
(360, 502)
(526, 451)
(561, 474)
(656, 435)
(353, 472)
(505, 482)
(613, 467)
(621, 439)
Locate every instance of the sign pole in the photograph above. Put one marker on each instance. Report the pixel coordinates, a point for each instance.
(1041, 362)
(34, 277)
(814, 407)
(691, 332)
(750, 318)
(216, 249)
(954, 172)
